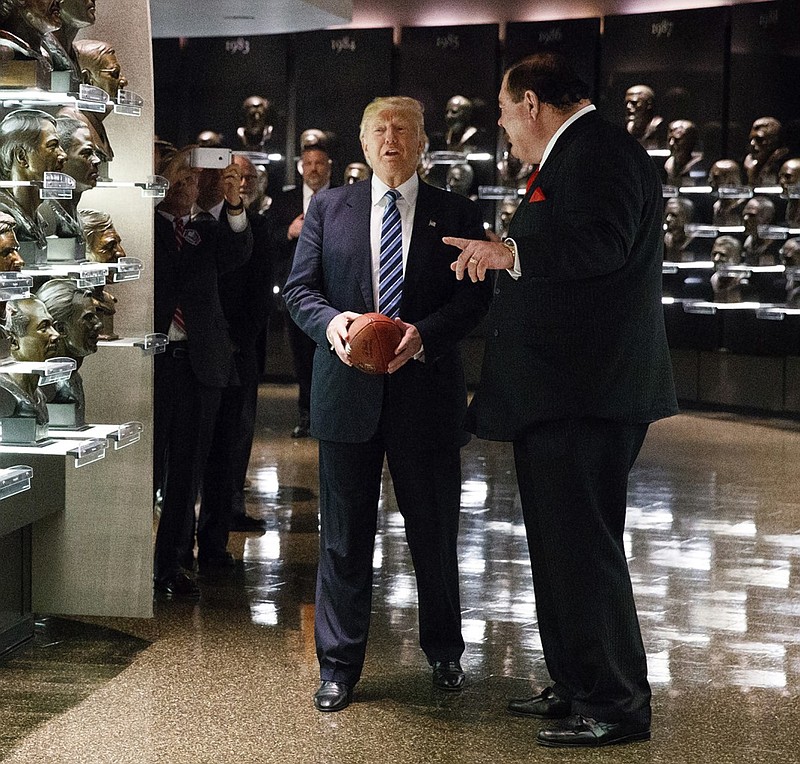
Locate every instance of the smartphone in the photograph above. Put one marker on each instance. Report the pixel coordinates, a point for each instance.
(215, 158)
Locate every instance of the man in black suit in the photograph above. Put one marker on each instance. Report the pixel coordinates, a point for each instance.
(245, 294)
(412, 416)
(576, 367)
(198, 363)
(288, 213)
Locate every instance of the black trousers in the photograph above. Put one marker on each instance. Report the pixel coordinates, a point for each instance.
(573, 479)
(427, 485)
(184, 415)
(302, 347)
(226, 469)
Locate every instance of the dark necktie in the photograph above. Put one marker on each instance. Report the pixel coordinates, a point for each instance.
(177, 317)
(390, 283)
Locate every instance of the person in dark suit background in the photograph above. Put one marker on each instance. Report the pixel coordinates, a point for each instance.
(245, 294)
(288, 214)
(576, 366)
(198, 363)
(412, 416)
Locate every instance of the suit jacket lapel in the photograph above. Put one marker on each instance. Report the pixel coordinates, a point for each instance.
(357, 223)
(423, 231)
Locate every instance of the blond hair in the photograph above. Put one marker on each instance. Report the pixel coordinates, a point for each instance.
(403, 104)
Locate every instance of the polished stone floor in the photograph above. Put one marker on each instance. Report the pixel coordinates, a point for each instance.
(714, 549)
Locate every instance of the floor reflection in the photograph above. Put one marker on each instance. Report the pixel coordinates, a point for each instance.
(714, 552)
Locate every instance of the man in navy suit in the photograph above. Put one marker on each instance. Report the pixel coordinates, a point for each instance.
(413, 415)
(576, 367)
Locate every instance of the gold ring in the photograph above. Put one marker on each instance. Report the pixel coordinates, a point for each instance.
(473, 260)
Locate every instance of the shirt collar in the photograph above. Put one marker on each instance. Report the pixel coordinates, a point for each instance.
(308, 192)
(173, 218)
(408, 190)
(214, 211)
(552, 142)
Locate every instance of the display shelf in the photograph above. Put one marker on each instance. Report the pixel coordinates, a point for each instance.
(54, 185)
(155, 187)
(14, 285)
(116, 435)
(50, 371)
(499, 193)
(86, 274)
(88, 98)
(84, 556)
(150, 344)
(14, 480)
(125, 269)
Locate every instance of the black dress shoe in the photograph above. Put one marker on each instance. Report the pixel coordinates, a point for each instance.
(303, 427)
(332, 696)
(580, 731)
(247, 524)
(545, 705)
(176, 586)
(448, 675)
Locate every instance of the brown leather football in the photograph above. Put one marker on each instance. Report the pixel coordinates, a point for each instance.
(373, 338)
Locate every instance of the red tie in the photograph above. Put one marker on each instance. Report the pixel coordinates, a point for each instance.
(177, 317)
(531, 181)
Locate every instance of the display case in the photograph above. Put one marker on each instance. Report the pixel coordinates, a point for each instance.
(88, 550)
(16, 517)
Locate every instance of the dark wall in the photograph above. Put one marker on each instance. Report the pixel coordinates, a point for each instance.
(764, 70)
(336, 75)
(578, 39)
(681, 56)
(719, 67)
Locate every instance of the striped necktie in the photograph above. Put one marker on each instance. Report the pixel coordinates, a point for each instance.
(390, 283)
(177, 317)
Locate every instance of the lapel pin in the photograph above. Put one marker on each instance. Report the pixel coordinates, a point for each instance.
(432, 223)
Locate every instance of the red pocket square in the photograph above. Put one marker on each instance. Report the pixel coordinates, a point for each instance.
(538, 196)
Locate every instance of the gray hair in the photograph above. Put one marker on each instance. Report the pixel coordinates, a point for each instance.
(20, 129)
(7, 223)
(58, 296)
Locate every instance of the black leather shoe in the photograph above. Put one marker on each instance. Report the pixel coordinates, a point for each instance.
(247, 524)
(303, 427)
(545, 705)
(332, 696)
(448, 675)
(582, 732)
(177, 586)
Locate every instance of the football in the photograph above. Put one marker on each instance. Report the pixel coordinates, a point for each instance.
(372, 339)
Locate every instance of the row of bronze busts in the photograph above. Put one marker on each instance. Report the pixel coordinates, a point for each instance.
(40, 35)
(764, 154)
(33, 142)
(730, 280)
(62, 320)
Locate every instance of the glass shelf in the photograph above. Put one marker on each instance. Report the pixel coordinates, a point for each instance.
(125, 269)
(86, 274)
(14, 480)
(50, 371)
(89, 98)
(14, 285)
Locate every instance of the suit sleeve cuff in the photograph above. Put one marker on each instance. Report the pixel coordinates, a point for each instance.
(238, 223)
(516, 271)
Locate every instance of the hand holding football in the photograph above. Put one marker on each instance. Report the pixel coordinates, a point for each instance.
(372, 339)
